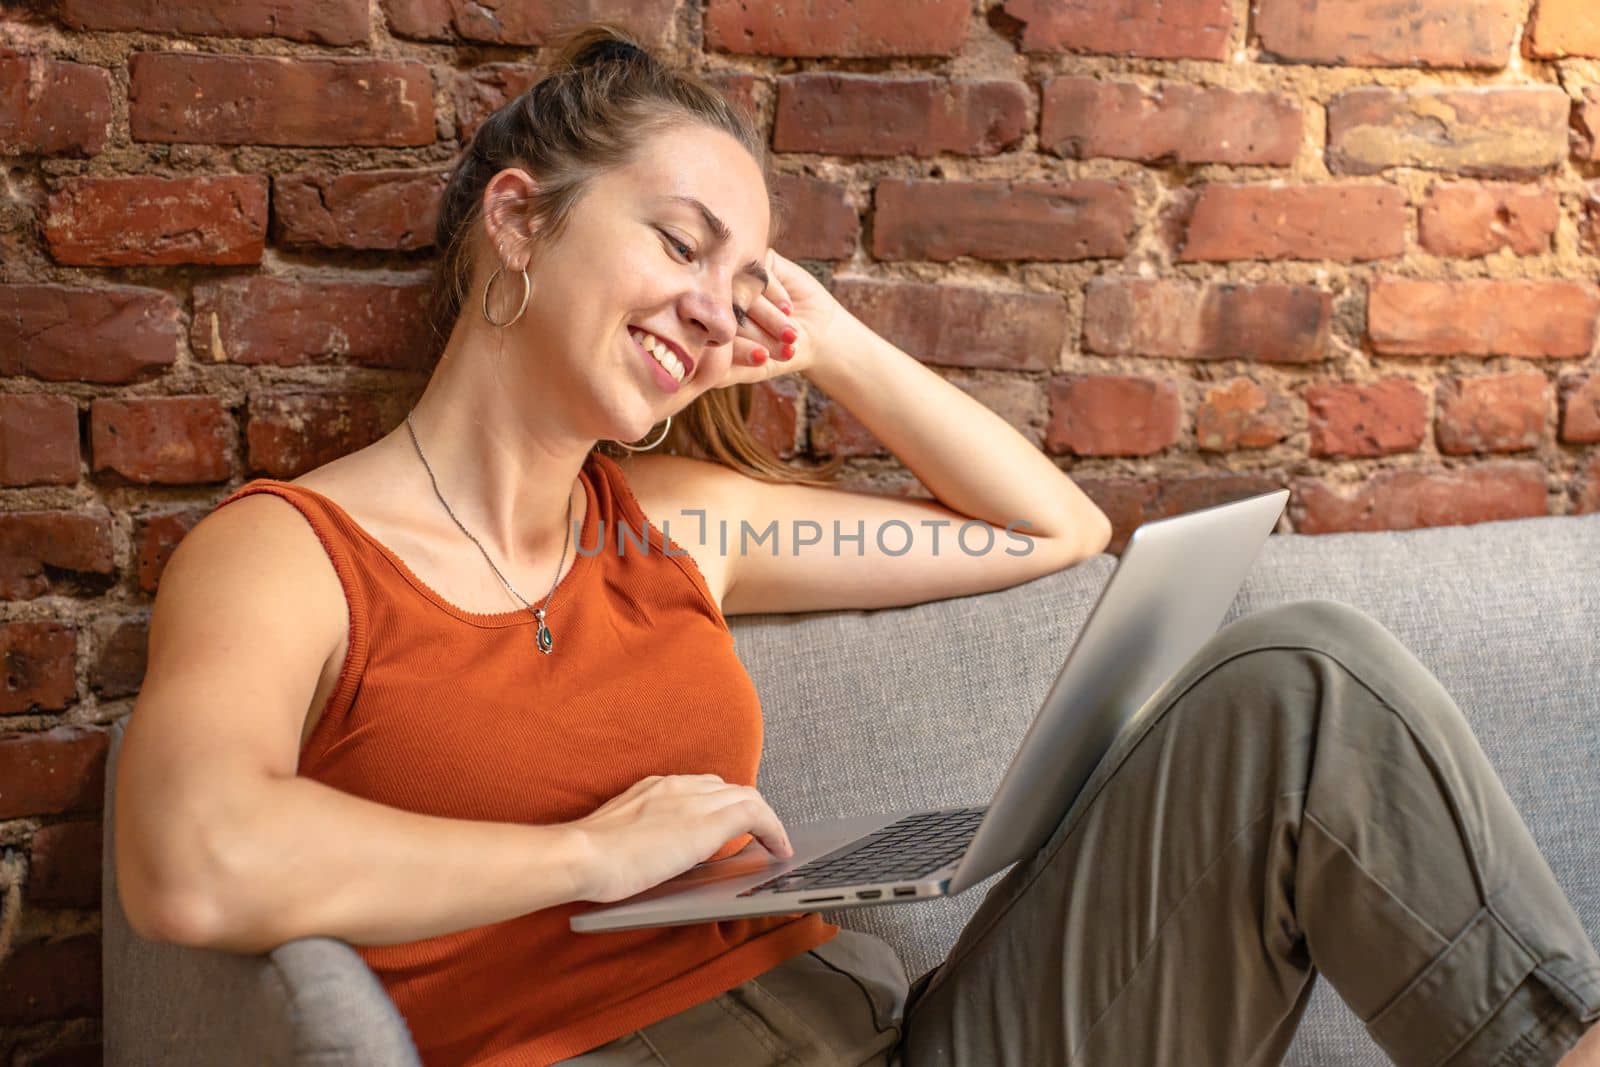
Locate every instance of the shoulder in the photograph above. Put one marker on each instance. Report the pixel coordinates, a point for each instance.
(257, 554)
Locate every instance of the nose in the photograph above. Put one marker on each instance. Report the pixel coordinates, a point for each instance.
(711, 309)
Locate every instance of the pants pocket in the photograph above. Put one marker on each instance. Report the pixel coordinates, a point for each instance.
(1476, 975)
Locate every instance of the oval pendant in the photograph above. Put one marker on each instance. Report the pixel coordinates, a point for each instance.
(544, 638)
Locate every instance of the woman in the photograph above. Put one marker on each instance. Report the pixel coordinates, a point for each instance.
(393, 702)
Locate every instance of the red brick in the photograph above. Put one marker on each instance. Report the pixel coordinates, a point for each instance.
(120, 222)
(166, 440)
(483, 90)
(388, 209)
(53, 108)
(833, 431)
(1340, 221)
(51, 980)
(1580, 409)
(774, 417)
(837, 28)
(1366, 419)
(40, 660)
(38, 440)
(1086, 118)
(51, 773)
(1131, 502)
(1586, 489)
(739, 87)
(1177, 319)
(64, 865)
(1172, 29)
(273, 100)
(108, 335)
(1589, 224)
(1240, 414)
(1408, 499)
(1038, 220)
(39, 548)
(1492, 413)
(119, 664)
(154, 538)
(291, 432)
(1467, 219)
(287, 322)
(525, 23)
(961, 326)
(1112, 416)
(1585, 137)
(326, 22)
(1564, 28)
(1482, 318)
(815, 219)
(870, 115)
(1503, 131)
(1389, 33)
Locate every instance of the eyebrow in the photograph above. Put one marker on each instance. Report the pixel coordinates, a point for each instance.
(720, 231)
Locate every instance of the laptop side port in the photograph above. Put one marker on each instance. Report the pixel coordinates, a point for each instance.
(869, 894)
(905, 891)
(821, 900)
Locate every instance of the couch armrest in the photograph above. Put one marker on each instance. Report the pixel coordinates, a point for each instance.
(313, 1001)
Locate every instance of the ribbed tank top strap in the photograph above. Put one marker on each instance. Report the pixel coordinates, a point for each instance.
(340, 543)
(661, 544)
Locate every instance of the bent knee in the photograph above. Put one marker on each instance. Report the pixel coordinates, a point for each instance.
(1311, 623)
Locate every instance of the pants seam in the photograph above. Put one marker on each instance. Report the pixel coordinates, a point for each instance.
(1487, 1016)
(1516, 1053)
(1343, 847)
(872, 1005)
(1172, 914)
(780, 1055)
(651, 1047)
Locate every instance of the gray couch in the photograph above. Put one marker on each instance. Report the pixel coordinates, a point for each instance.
(1504, 613)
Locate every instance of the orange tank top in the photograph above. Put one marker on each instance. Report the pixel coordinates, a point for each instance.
(458, 714)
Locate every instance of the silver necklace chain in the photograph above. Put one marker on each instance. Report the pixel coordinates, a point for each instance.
(546, 642)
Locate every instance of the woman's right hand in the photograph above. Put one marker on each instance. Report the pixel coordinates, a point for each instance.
(664, 824)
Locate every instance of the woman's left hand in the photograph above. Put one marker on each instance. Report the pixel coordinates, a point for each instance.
(792, 340)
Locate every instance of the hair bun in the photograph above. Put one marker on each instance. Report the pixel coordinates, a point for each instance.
(611, 50)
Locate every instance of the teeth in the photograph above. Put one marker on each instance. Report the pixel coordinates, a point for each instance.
(664, 355)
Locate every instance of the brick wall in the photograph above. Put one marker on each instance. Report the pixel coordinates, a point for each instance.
(1192, 249)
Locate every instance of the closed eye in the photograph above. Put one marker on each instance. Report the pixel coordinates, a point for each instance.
(739, 314)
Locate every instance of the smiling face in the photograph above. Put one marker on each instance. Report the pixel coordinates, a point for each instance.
(638, 254)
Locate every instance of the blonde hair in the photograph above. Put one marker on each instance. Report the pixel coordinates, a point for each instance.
(601, 97)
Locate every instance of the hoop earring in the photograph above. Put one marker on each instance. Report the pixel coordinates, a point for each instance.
(653, 444)
(527, 289)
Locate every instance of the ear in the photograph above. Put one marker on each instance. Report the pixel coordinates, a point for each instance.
(505, 216)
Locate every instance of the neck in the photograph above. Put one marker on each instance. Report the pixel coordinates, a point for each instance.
(508, 467)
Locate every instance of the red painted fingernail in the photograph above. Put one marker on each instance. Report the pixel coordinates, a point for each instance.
(789, 334)
(759, 355)
(788, 351)
(788, 309)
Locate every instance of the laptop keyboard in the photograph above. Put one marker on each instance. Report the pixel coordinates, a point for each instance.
(909, 848)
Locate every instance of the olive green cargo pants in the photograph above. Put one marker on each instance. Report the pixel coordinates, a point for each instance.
(1303, 797)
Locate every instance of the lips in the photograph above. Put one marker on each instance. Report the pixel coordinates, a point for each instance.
(677, 350)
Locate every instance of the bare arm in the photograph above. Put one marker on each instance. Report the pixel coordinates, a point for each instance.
(219, 844)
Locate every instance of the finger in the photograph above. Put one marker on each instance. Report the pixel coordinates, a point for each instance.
(748, 353)
(751, 815)
(776, 291)
(765, 323)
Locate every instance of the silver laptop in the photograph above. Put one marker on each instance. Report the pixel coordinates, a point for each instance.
(1169, 593)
